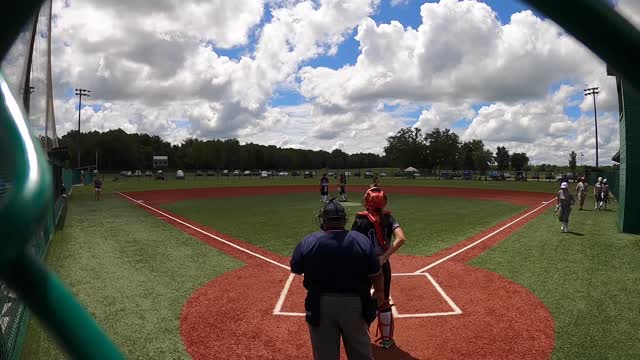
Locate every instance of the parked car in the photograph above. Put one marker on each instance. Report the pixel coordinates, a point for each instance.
(356, 174)
(507, 176)
(295, 173)
(246, 173)
(521, 176)
(225, 173)
(331, 174)
(123, 173)
(148, 173)
(348, 173)
(264, 174)
(368, 174)
(383, 174)
(550, 176)
(236, 173)
(128, 174)
(283, 173)
(199, 173)
(308, 175)
(160, 175)
(535, 176)
(211, 173)
(179, 175)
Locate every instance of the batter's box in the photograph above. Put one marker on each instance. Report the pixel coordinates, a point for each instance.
(415, 295)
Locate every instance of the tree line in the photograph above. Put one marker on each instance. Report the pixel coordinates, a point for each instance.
(117, 150)
(436, 150)
(443, 150)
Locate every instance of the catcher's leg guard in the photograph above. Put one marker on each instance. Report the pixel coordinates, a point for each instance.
(385, 324)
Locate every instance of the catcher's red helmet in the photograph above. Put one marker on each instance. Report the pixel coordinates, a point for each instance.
(374, 198)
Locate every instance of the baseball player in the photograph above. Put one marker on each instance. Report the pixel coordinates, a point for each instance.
(376, 182)
(342, 187)
(605, 194)
(597, 192)
(385, 232)
(581, 190)
(564, 203)
(97, 188)
(324, 189)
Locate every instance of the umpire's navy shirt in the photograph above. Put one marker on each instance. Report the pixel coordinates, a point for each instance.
(337, 261)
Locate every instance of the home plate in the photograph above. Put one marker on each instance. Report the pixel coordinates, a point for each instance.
(414, 295)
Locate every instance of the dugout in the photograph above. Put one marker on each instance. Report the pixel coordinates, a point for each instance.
(629, 155)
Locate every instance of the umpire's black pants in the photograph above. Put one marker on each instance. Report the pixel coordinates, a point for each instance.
(340, 315)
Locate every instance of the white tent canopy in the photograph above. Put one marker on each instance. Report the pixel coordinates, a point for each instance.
(411, 169)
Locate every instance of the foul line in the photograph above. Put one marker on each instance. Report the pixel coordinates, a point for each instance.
(139, 202)
(483, 239)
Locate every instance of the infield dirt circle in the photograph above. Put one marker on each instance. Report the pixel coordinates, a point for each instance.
(445, 309)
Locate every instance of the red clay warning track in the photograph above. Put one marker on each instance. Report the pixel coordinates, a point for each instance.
(445, 308)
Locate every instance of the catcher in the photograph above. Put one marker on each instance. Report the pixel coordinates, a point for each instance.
(384, 231)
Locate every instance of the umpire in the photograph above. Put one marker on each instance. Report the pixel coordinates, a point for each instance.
(339, 267)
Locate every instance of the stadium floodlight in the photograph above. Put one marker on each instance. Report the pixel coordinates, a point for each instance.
(594, 91)
(80, 93)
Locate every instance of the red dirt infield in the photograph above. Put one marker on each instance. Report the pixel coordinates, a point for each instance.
(447, 309)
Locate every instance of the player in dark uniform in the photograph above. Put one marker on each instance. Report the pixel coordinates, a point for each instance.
(342, 187)
(324, 189)
(376, 182)
(385, 232)
(97, 188)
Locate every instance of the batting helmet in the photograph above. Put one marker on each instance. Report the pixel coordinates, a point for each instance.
(374, 198)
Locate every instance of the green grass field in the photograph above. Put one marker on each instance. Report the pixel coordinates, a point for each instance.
(588, 280)
(278, 222)
(132, 271)
(143, 183)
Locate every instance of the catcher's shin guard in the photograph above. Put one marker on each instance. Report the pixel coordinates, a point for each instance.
(385, 322)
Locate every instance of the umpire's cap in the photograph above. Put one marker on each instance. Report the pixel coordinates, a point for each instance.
(333, 211)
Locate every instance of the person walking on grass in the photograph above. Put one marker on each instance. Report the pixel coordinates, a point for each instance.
(605, 194)
(597, 193)
(564, 203)
(581, 191)
(339, 268)
(97, 188)
(385, 233)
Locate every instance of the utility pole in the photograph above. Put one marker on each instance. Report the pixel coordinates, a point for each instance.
(594, 91)
(80, 93)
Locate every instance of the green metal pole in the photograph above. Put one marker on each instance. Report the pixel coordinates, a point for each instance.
(53, 304)
(597, 25)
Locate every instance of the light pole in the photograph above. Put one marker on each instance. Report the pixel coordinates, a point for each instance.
(594, 91)
(80, 93)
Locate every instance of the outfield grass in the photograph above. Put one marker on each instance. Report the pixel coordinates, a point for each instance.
(143, 183)
(278, 222)
(588, 280)
(132, 271)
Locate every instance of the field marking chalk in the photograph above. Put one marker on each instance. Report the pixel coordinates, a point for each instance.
(208, 234)
(277, 310)
(483, 239)
(283, 296)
